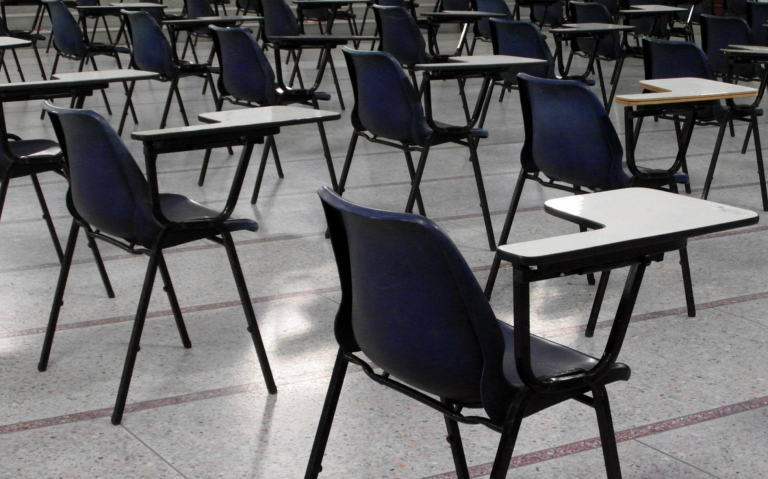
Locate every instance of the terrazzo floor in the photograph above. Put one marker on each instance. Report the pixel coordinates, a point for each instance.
(695, 407)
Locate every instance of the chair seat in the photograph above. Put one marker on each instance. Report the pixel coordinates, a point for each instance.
(180, 209)
(661, 178)
(453, 129)
(551, 359)
(296, 95)
(42, 156)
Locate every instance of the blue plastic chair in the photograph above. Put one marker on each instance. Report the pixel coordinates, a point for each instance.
(609, 48)
(735, 7)
(110, 199)
(72, 43)
(411, 305)
(197, 9)
(280, 21)
(387, 111)
(152, 52)
(719, 32)
(482, 29)
(247, 79)
(757, 16)
(24, 35)
(666, 59)
(401, 38)
(522, 39)
(571, 145)
(20, 158)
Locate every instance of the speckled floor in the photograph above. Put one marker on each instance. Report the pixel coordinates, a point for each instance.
(696, 405)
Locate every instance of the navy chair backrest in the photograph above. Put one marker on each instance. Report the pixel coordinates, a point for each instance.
(757, 16)
(581, 12)
(718, 32)
(522, 39)
(400, 36)
(199, 8)
(386, 103)
(410, 302)
(568, 135)
(674, 59)
(151, 51)
(736, 7)
(245, 71)
(106, 186)
(67, 35)
(279, 19)
(493, 6)
(87, 3)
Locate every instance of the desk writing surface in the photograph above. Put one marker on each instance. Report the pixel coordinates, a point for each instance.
(274, 116)
(477, 61)
(247, 119)
(651, 10)
(316, 39)
(211, 21)
(323, 3)
(457, 15)
(592, 27)
(683, 90)
(630, 218)
(107, 75)
(127, 5)
(11, 42)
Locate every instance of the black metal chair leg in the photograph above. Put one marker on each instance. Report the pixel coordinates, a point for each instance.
(276, 158)
(590, 276)
(454, 439)
(315, 464)
(687, 282)
(417, 179)
(745, 145)
(47, 218)
(262, 167)
(715, 155)
(250, 316)
(128, 104)
(597, 304)
(138, 328)
(347, 162)
(327, 154)
(759, 157)
(99, 263)
(516, 194)
(204, 167)
(607, 435)
(168, 100)
(335, 80)
(39, 61)
(181, 104)
(168, 288)
(412, 173)
(3, 192)
(58, 297)
(509, 437)
(481, 193)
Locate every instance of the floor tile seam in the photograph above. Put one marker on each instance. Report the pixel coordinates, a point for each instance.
(676, 459)
(634, 433)
(665, 313)
(162, 402)
(172, 251)
(335, 289)
(153, 451)
(169, 313)
(374, 186)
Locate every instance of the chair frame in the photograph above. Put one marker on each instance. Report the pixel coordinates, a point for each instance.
(503, 417)
(652, 177)
(458, 135)
(156, 262)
